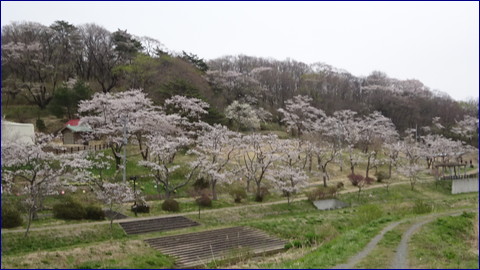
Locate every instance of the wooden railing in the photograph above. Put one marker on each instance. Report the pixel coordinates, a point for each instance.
(74, 149)
(461, 176)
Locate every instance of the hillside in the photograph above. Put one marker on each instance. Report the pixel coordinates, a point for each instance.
(39, 60)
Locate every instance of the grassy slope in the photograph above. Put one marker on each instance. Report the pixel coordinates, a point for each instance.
(319, 239)
(445, 243)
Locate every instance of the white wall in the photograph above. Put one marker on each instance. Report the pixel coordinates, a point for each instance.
(464, 185)
(18, 132)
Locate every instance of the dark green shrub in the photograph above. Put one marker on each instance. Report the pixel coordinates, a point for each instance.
(238, 194)
(261, 194)
(40, 125)
(340, 185)
(200, 184)
(94, 212)
(170, 205)
(204, 201)
(69, 209)
(141, 208)
(11, 218)
(381, 176)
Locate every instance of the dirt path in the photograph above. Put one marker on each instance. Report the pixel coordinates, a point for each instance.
(401, 259)
(370, 246)
(206, 211)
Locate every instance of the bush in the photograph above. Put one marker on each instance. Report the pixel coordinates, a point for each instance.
(11, 218)
(368, 180)
(261, 194)
(421, 207)
(238, 194)
(355, 179)
(94, 212)
(200, 184)
(170, 205)
(204, 201)
(321, 193)
(340, 185)
(40, 125)
(69, 210)
(380, 175)
(141, 208)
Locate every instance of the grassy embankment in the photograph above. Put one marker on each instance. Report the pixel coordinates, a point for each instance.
(316, 239)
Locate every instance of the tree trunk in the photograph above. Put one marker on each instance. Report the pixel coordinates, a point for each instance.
(167, 194)
(390, 170)
(214, 191)
(368, 166)
(29, 221)
(324, 175)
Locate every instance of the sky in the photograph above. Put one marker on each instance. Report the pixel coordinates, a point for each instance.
(434, 42)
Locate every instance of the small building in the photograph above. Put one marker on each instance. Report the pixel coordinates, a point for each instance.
(18, 132)
(73, 131)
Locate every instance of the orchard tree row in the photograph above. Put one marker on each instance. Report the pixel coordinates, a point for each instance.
(222, 156)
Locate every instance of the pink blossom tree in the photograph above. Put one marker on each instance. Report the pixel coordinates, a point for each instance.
(467, 128)
(243, 115)
(257, 156)
(163, 151)
(214, 150)
(38, 170)
(299, 115)
(110, 115)
(287, 175)
(114, 195)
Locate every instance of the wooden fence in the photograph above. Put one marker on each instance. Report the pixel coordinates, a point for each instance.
(74, 149)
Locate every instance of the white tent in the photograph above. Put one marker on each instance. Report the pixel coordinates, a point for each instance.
(19, 132)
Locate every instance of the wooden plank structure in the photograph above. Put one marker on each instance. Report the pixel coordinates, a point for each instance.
(198, 249)
(157, 225)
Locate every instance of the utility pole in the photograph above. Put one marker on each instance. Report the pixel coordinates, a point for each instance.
(125, 141)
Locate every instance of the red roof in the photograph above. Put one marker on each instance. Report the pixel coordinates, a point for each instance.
(73, 122)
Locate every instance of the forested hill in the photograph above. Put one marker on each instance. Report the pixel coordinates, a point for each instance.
(55, 66)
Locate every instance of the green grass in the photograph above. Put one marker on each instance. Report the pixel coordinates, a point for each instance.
(16, 243)
(338, 250)
(445, 243)
(333, 236)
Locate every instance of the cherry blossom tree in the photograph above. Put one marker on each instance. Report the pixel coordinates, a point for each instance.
(39, 171)
(392, 151)
(288, 180)
(163, 151)
(411, 171)
(299, 115)
(342, 132)
(191, 108)
(375, 130)
(287, 176)
(214, 150)
(467, 128)
(243, 115)
(110, 115)
(258, 154)
(114, 195)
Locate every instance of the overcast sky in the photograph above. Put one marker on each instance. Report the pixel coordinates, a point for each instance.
(435, 42)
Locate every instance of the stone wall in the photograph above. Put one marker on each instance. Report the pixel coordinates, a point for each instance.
(464, 185)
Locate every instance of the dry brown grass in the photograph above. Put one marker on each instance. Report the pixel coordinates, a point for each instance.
(111, 250)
